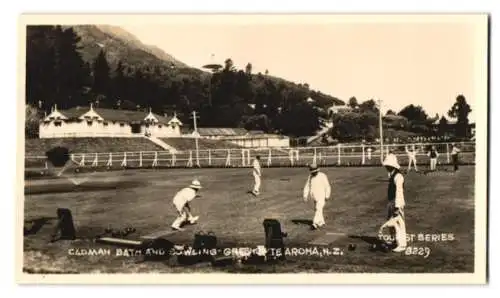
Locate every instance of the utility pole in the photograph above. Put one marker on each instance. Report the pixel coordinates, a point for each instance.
(196, 135)
(380, 131)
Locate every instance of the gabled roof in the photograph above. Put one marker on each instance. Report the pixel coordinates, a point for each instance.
(114, 115)
(55, 115)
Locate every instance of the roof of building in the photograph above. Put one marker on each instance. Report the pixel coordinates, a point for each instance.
(255, 132)
(215, 131)
(114, 115)
(257, 136)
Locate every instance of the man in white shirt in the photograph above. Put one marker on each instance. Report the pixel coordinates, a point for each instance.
(181, 203)
(318, 189)
(257, 173)
(396, 204)
(454, 156)
(412, 157)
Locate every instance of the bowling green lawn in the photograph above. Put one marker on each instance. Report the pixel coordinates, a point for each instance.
(440, 207)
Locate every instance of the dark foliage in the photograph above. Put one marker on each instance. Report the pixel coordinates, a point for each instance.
(71, 66)
(460, 110)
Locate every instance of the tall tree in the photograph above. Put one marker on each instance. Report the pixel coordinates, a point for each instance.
(248, 69)
(460, 111)
(369, 106)
(118, 85)
(40, 60)
(55, 72)
(228, 65)
(413, 113)
(70, 71)
(101, 72)
(353, 102)
(417, 118)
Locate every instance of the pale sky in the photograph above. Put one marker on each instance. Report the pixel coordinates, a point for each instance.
(418, 63)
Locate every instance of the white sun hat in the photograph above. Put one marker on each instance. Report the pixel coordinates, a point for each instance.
(313, 168)
(391, 161)
(195, 184)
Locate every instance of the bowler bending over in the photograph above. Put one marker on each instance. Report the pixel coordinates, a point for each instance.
(181, 202)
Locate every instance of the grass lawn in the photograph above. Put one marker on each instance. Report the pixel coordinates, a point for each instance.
(437, 204)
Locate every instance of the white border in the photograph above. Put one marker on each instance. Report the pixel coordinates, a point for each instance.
(211, 6)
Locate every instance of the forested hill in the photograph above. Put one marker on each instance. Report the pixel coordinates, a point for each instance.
(110, 67)
(120, 45)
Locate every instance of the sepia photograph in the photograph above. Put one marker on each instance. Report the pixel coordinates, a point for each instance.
(253, 148)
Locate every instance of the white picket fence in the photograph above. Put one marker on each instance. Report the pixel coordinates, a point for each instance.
(339, 155)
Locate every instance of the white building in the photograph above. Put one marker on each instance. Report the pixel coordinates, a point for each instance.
(97, 122)
(243, 137)
(260, 141)
(335, 109)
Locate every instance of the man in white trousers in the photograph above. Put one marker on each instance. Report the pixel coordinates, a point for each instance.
(257, 174)
(433, 155)
(396, 204)
(318, 189)
(181, 203)
(412, 157)
(397, 224)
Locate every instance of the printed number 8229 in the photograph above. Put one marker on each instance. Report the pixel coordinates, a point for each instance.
(418, 251)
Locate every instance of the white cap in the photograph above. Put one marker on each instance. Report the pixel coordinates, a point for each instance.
(391, 161)
(195, 184)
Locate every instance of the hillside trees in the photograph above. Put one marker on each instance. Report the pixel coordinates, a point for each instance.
(417, 119)
(361, 124)
(101, 85)
(57, 74)
(55, 71)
